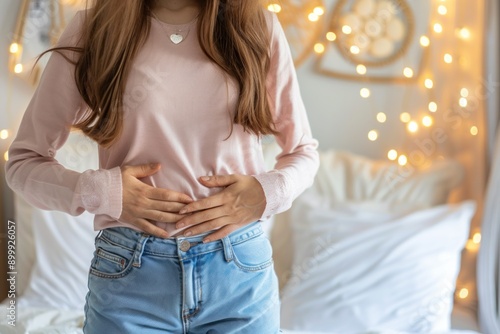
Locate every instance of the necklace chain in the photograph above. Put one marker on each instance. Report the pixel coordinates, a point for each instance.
(176, 37)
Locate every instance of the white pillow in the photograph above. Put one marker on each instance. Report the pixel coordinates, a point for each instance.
(348, 178)
(361, 267)
(63, 245)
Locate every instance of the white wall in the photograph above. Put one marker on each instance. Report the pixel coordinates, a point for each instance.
(341, 119)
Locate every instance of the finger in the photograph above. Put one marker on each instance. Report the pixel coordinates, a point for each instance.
(160, 216)
(173, 207)
(208, 226)
(219, 180)
(142, 170)
(201, 217)
(167, 195)
(221, 233)
(151, 229)
(204, 204)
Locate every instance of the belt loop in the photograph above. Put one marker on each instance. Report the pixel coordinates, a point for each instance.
(228, 249)
(139, 249)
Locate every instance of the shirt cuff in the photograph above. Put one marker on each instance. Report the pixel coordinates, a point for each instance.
(101, 192)
(274, 184)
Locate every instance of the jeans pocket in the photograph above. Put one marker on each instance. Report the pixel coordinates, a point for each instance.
(253, 254)
(111, 260)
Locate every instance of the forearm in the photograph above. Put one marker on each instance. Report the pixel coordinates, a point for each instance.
(48, 185)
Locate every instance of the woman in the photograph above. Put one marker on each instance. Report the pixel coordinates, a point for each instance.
(178, 94)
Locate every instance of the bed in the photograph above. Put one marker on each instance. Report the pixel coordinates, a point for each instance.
(367, 249)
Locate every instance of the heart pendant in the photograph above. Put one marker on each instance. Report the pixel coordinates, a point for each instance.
(176, 38)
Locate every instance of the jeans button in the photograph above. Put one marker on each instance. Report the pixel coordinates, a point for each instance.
(185, 245)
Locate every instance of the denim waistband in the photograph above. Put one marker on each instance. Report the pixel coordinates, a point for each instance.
(183, 247)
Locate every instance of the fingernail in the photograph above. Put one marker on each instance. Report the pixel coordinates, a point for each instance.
(180, 225)
(165, 235)
(205, 178)
(153, 165)
(188, 233)
(206, 241)
(183, 211)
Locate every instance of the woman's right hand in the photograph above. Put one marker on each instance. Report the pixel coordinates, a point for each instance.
(143, 203)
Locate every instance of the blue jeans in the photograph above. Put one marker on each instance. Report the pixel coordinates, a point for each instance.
(148, 285)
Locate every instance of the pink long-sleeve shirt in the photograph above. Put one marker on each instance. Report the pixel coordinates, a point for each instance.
(178, 109)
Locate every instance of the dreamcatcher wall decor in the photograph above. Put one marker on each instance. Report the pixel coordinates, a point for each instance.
(364, 40)
(375, 40)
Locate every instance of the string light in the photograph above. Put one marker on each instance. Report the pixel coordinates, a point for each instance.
(18, 68)
(6, 156)
(346, 30)
(365, 93)
(355, 49)
(442, 10)
(319, 48)
(405, 117)
(319, 11)
(381, 117)
(474, 131)
(464, 92)
(373, 135)
(433, 107)
(438, 28)
(425, 41)
(4, 134)
(473, 243)
(429, 83)
(14, 48)
(463, 293)
(361, 69)
(274, 7)
(427, 121)
(471, 246)
(331, 36)
(402, 160)
(408, 72)
(412, 126)
(392, 155)
(448, 58)
(464, 33)
(463, 102)
(313, 17)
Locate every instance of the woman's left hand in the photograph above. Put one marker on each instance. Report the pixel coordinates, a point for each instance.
(241, 202)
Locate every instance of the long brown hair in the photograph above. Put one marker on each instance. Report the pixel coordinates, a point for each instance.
(232, 33)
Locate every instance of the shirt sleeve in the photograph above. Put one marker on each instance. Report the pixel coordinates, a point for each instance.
(32, 170)
(297, 164)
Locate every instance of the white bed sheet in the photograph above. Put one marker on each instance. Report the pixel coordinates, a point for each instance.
(42, 321)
